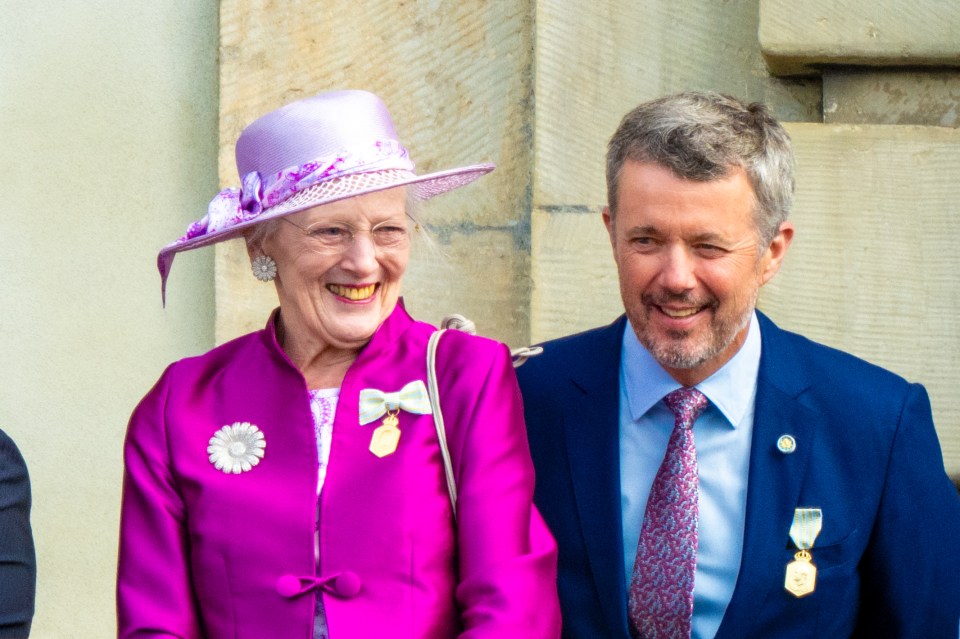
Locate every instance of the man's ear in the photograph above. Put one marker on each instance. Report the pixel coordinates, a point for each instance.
(608, 222)
(774, 254)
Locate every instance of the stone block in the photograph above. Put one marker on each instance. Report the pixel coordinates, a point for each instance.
(457, 78)
(596, 61)
(479, 273)
(803, 37)
(872, 269)
(859, 96)
(574, 275)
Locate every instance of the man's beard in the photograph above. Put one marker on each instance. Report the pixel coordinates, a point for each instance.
(676, 350)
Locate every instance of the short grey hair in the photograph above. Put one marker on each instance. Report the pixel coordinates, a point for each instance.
(702, 136)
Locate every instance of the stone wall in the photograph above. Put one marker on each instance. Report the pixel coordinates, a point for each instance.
(872, 269)
(458, 79)
(538, 87)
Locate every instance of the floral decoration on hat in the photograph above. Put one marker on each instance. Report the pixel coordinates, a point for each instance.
(236, 448)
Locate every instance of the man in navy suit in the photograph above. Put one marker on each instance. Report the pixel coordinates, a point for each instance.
(820, 503)
(18, 572)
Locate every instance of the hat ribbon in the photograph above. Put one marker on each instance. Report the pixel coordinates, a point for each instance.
(258, 193)
(233, 206)
(412, 398)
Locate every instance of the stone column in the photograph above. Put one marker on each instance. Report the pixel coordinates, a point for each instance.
(458, 79)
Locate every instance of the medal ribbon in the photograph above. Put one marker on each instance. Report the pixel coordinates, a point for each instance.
(806, 525)
(412, 398)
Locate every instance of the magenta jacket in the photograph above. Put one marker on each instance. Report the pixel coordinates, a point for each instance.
(209, 554)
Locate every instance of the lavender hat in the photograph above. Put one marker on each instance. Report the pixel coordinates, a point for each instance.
(314, 151)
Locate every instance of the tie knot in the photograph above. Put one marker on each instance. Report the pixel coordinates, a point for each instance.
(686, 404)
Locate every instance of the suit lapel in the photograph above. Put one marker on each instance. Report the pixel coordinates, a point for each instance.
(592, 427)
(774, 482)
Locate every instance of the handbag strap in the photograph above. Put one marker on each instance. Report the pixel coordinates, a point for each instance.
(434, 393)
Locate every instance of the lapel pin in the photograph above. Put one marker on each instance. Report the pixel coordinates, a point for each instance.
(786, 444)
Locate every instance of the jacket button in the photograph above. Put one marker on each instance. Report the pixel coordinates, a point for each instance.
(288, 586)
(347, 584)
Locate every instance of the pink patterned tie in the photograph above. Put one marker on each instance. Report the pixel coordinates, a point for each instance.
(660, 604)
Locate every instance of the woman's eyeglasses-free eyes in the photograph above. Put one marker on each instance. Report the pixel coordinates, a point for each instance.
(336, 238)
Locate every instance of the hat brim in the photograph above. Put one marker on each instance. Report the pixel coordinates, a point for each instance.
(427, 186)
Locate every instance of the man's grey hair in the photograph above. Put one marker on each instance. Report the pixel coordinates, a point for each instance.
(702, 136)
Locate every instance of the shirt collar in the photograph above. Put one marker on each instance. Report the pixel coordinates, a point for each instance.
(731, 389)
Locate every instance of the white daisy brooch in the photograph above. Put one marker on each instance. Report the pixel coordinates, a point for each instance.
(264, 268)
(236, 448)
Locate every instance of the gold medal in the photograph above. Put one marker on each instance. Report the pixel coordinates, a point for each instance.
(386, 436)
(801, 575)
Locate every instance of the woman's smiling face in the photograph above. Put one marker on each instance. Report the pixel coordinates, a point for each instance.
(340, 266)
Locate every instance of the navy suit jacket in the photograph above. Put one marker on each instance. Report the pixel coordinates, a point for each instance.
(888, 562)
(18, 570)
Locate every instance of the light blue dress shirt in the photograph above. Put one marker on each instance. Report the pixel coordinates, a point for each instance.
(722, 435)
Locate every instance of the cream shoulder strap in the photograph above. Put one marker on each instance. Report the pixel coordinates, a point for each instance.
(434, 393)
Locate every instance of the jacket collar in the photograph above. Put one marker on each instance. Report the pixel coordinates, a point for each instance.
(389, 331)
(592, 427)
(775, 477)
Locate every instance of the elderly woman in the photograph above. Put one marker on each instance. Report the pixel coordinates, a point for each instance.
(292, 482)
